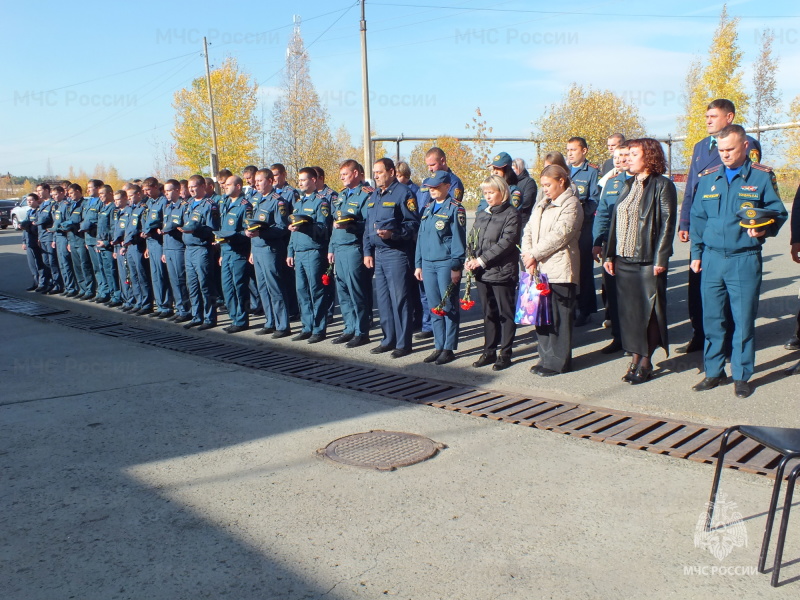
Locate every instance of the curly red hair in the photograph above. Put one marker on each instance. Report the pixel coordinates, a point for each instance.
(655, 162)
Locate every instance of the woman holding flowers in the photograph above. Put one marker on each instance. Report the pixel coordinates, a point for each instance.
(438, 264)
(550, 246)
(493, 259)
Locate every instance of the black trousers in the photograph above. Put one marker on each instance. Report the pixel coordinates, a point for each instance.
(555, 340)
(612, 306)
(499, 302)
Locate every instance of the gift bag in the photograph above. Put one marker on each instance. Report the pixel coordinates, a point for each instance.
(533, 300)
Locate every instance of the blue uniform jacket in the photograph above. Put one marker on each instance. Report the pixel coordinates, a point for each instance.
(200, 220)
(398, 204)
(314, 235)
(106, 217)
(173, 218)
(289, 194)
(514, 199)
(271, 213)
(30, 232)
(585, 179)
(330, 195)
(703, 158)
(61, 217)
(44, 221)
(423, 193)
(121, 217)
(153, 218)
(74, 217)
(351, 202)
(134, 228)
(234, 216)
(88, 225)
(605, 209)
(442, 234)
(714, 223)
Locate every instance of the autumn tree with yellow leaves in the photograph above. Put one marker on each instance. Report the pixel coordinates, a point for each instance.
(591, 114)
(460, 158)
(238, 129)
(720, 77)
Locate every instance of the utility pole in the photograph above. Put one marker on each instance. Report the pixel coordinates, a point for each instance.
(215, 152)
(365, 92)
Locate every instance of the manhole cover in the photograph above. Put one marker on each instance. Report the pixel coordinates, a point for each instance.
(381, 450)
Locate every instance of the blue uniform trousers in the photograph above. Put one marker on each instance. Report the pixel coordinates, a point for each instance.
(125, 290)
(268, 263)
(162, 294)
(309, 265)
(425, 309)
(735, 277)
(354, 288)
(252, 286)
(65, 264)
(137, 271)
(81, 263)
(198, 282)
(176, 269)
(39, 270)
(392, 291)
(97, 271)
(436, 275)
(50, 257)
(108, 268)
(235, 286)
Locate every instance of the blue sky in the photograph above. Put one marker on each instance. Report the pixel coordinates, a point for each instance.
(100, 89)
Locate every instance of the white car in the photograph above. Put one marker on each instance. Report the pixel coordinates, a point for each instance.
(19, 212)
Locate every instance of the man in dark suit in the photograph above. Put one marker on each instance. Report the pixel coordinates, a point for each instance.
(719, 114)
(794, 342)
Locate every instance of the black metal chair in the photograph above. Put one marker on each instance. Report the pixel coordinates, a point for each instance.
(785, 442)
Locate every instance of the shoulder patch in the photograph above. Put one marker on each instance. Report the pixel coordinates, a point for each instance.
(761, 167)
(754, 155)
(594, 166)
(411, 205)
(458, 193)
(711, 170)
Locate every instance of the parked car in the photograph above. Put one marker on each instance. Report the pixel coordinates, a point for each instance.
(5, 212)
(19, 212)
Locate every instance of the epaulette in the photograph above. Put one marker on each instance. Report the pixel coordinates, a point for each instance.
(594, 166)
(761, 167)
(277, 196)
(367, 188)
(713, 169)
(457, 203)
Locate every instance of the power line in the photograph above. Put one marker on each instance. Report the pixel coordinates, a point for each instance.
(579, 13)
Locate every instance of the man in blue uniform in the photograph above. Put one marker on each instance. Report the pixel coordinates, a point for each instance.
(404, 177)
(584, 175)
(249, 192)
(310, 228)
(175, 251)
(331, 197)
(719, 114)
(106, 217)
(249, 180)
(44, 221)
(152, 222)
(235, 213)
(392, 224)
(291, 196)
(269, 238)
(200, 220)
(353, 282)
(77, 243)
(602, 222)
(730, 255)
(612, 144)
(120, 217)
(30, 243)
(88, 227)
(134, 251)
(435, 160)
(60, 229)
(439, 260)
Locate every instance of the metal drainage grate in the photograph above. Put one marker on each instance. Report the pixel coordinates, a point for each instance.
(26, 307)
(633, 430)
(381, 450)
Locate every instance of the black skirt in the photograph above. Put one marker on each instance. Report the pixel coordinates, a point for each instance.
(640, 294)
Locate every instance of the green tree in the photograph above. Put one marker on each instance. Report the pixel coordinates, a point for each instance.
(591, 114)
(234, 112)
(300, 134)
(721, 77)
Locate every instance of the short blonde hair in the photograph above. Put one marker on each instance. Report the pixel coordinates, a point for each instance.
(498, 184)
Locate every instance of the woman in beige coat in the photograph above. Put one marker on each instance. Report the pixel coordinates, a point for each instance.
(550, 243)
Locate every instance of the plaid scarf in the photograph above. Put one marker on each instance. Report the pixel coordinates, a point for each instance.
(628, 218)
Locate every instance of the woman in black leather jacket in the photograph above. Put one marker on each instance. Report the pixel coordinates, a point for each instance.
(637, 254)
(495, 263)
